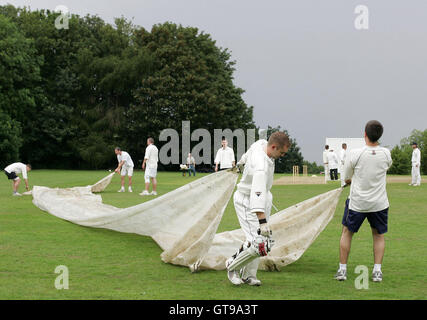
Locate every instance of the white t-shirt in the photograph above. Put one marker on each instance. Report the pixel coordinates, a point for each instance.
(325, 156)
(225, 158)
(258, 176)
(332, 160)
(367, 168)
(152, 156)
(126, 158)
(416, 157)
(343, 155)
(18, 168)
(191, 161)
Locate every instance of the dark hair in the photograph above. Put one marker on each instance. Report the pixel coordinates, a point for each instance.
(151, 140)
(279, 138)
(374, 130)
(344, 144)
(118, 149)
(29, 166)
(326, 147)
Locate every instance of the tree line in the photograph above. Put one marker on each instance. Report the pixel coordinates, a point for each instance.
(69, 96)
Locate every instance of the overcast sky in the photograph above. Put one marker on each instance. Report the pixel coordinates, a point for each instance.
(302, 63)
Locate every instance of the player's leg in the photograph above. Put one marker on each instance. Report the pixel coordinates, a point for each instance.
(147, 183)
(15, 185)
(351, 222)
(241, 204)
(130, 174)
(153, 175)
(413, 178)
(418, 174)
(154, 183)
(378, 222)
(345, 244)
(249, 273)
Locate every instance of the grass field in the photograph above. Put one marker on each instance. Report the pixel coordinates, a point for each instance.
(105, 264)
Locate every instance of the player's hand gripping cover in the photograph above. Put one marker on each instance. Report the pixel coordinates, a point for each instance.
(264, 242)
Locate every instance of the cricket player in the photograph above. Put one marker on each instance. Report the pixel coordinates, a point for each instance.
(12, 172)
(253, 202)
(416, 165)
(151, 159)
(333, 164)
(343, 155)
(366, 169)
(125, 167)
(325, 163)
(224, 157)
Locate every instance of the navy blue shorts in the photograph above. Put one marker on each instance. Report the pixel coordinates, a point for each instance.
(353, 219)
(11, 176)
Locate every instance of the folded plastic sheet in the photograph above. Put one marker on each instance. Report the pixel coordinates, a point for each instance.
(184, 222)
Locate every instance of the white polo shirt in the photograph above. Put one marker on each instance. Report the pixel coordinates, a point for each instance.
(325, 156)
(152, 156)
(225, 158)
(18, 168)
(416, 157)
(367, 168)
(126, 158)
(258, 175)
(332, 160)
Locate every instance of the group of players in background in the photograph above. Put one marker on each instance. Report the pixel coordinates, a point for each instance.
(364, 169)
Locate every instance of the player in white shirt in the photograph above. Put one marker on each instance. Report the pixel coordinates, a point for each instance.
(325, 163)
(416, 165)
(125, 167)
(366, 170)
(253, 202)
(151, 159)
(224, 157)
(333, 164)
(343, 155)
(12, 172)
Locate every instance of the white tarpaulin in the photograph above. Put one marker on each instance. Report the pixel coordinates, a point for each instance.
(184, 222)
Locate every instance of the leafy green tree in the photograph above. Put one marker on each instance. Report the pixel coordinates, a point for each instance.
(19, 70)
(401, 156)
(10, 139)
(312, 167)
(192, 80)
(292, 158)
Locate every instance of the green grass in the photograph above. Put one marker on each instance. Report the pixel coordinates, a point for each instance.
(104, 264)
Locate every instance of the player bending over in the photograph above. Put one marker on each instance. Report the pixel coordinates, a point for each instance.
(253, 201)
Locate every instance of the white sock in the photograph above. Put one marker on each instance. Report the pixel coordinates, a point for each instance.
(377, 267)
(343, 267)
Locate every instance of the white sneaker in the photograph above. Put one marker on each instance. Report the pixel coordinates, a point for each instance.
(410, 184)
(416, 185)
(16, 194)
(153, 193)
(252, 281)
(233, 276)
(121, 190)
(144, 193)
(377, 276)
(130, 189)
(341, 275)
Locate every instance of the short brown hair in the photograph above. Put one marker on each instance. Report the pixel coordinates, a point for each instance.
(374, 130)
(279, 138)
(151, 140)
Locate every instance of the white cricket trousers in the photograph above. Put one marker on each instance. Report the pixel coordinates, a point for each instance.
(250, 224)
(416, 176)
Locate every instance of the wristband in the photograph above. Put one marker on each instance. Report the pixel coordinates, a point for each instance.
(262, 221)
